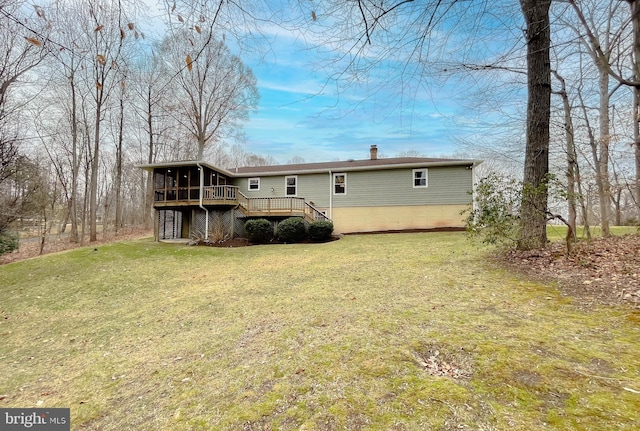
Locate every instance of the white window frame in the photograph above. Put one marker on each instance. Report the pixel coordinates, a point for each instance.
(257, 180)
(344, 174)
(286, 185)
(426, 178)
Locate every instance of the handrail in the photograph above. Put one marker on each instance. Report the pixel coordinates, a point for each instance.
(314, 214)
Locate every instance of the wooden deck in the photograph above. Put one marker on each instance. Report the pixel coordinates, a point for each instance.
(250, 207)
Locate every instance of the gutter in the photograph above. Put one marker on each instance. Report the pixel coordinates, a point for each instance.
(206, 221)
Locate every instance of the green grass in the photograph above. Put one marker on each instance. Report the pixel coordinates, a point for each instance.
(557, 232)
(142, 335)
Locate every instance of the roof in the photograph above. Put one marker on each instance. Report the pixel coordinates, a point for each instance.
(323, 167)
(151, 166)
(352, 165)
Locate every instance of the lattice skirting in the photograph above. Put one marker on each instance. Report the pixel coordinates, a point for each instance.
(169, 224)
(222, 225)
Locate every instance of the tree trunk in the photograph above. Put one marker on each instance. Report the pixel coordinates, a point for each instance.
(572, 157)
(95, 160)
(149, 190)
(533, 232)
(636, 143)
(93, 185)
(602, 164)
(635, 19)
(75, 164)
(119, 164)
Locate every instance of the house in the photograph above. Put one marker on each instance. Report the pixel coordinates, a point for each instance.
(196, 199)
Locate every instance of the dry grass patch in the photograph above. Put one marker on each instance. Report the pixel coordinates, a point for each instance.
(402, 331)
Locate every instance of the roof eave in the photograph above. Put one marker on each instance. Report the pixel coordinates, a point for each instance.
(152, 166)
(444, 163)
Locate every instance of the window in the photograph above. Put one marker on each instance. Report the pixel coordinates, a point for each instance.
(291, 185)
(159, 178)
(254, 184)
(420, 178)
(339, 184)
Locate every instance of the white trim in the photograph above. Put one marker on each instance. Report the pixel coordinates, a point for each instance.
(286, 185)
(426, 178)
(344, 174)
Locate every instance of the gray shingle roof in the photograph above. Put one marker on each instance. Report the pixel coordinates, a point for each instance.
(335, 166)
(348, 165)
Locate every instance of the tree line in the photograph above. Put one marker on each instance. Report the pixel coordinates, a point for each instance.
(85, 94)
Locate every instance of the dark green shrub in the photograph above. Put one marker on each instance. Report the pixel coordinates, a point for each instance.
(259, 230)
(292, 230)
(8, 242)
(320, 230)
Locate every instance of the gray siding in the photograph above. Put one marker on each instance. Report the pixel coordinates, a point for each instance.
(393, 187)
(314, 187)
(447, 186)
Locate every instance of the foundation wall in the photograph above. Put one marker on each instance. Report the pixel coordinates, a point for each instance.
(373, 219)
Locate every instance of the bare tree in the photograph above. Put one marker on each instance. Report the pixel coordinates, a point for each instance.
(21, 50)
(602, 42)
(217, 89)
(619, 74)
(635, 20)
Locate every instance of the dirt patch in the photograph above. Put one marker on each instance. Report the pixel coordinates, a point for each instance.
(442, 361)
(603, 271)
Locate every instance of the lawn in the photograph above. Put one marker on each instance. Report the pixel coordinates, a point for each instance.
(419, 331)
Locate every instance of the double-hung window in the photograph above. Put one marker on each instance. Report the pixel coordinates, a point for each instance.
(339, 184)
(291, 185)
(254, 184)
(420, 178)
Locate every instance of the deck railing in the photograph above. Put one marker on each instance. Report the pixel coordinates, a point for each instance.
(314, 214)
(219, 193)
(252, 207)
(279, 206)
(273, 205)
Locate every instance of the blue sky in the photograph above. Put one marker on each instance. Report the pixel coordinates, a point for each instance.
(302, 113)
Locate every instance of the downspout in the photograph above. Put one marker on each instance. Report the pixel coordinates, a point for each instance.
(330, 194)
(206, 220)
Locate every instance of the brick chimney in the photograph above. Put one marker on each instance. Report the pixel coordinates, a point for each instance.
(374, 152)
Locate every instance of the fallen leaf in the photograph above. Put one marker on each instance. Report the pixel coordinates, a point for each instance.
(33, 41)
